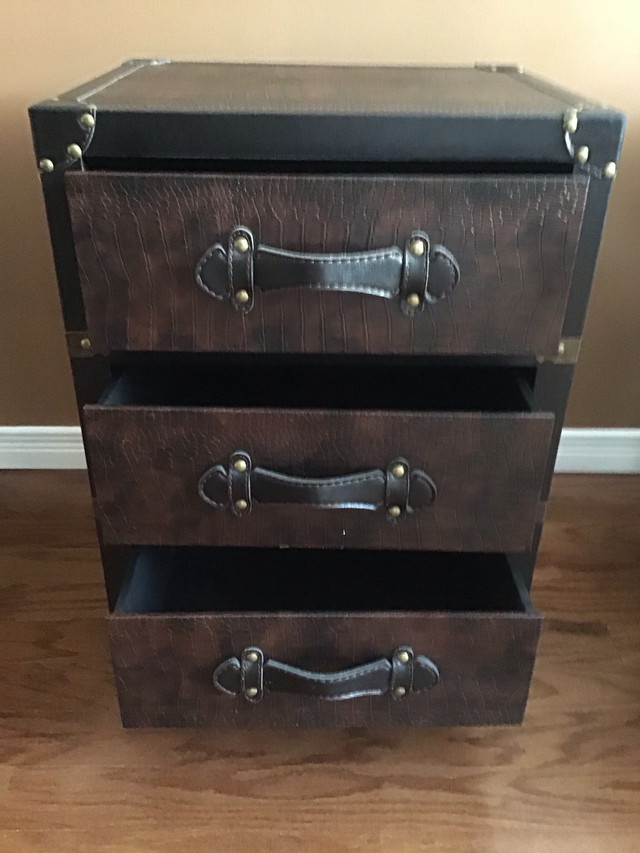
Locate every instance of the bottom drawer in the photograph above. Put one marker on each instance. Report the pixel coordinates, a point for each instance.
(321, 638)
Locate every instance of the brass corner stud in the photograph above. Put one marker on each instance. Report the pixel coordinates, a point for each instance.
(74, 151)
(79, 344)
(582, 154)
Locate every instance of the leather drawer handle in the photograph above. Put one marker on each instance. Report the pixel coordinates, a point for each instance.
(252, 676)
(417, 274)
(400, 489)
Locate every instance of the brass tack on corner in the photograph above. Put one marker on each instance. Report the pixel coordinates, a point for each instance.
(74, 151)
(582, 154)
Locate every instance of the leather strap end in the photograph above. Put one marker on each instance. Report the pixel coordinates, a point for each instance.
(425, 674)
(444, 273)
(226, 676)
(422, 489)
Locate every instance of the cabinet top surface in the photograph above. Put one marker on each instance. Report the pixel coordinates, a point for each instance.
(154, 85)
(155, 109)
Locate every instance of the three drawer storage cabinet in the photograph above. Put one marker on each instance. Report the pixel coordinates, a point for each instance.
(323, 324)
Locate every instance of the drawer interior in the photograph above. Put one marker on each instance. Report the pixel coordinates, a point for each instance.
(325, 384)
(323, 167)
(272, 580)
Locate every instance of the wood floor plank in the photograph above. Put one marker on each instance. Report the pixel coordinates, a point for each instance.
(493, 836)
(46, 508)
(72, 779)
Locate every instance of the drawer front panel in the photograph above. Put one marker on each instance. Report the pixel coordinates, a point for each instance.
(147, 463)
(140, 237)
(164, 667)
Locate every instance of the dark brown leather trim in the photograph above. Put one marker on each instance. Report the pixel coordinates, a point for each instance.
(222, 487)
(444, 274)
(403, 673)
(387, 273)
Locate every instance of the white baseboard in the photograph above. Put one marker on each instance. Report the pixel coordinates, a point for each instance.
(588, 451)
(41, 447)
(599, 451)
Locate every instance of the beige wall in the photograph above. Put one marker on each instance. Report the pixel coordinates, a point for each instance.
(47, 46)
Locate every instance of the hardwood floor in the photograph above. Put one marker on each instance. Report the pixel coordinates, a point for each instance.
(71, 779)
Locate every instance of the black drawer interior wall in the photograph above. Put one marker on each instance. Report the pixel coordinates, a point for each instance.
(291, 382)
(197, 579)
(324, 167)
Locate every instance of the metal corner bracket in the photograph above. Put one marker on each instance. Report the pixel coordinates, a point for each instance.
(63, 131)
(581, 154)
(568, 351)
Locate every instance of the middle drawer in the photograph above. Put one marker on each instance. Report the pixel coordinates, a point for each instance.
(375, 455)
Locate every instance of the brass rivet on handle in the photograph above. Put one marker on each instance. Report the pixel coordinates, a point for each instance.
(87, 120)
(582, 154)
(252, 657)
(394, 511)
(403, 657)
(241, 244)
(242, 296)
(398, 692)
(85, 343)
(413, 300)
(240, 465)
(561, 348)
(610, 170)
(251, 691)
(398, 470)
(241, 504)
(74, 151)
(417, 247)
(46, 165)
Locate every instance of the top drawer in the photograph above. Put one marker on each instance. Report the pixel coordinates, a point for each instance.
(326, 263)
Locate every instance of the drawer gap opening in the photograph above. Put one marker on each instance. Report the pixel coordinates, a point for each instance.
(295, 384)
(125, 165)
(272, 580)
